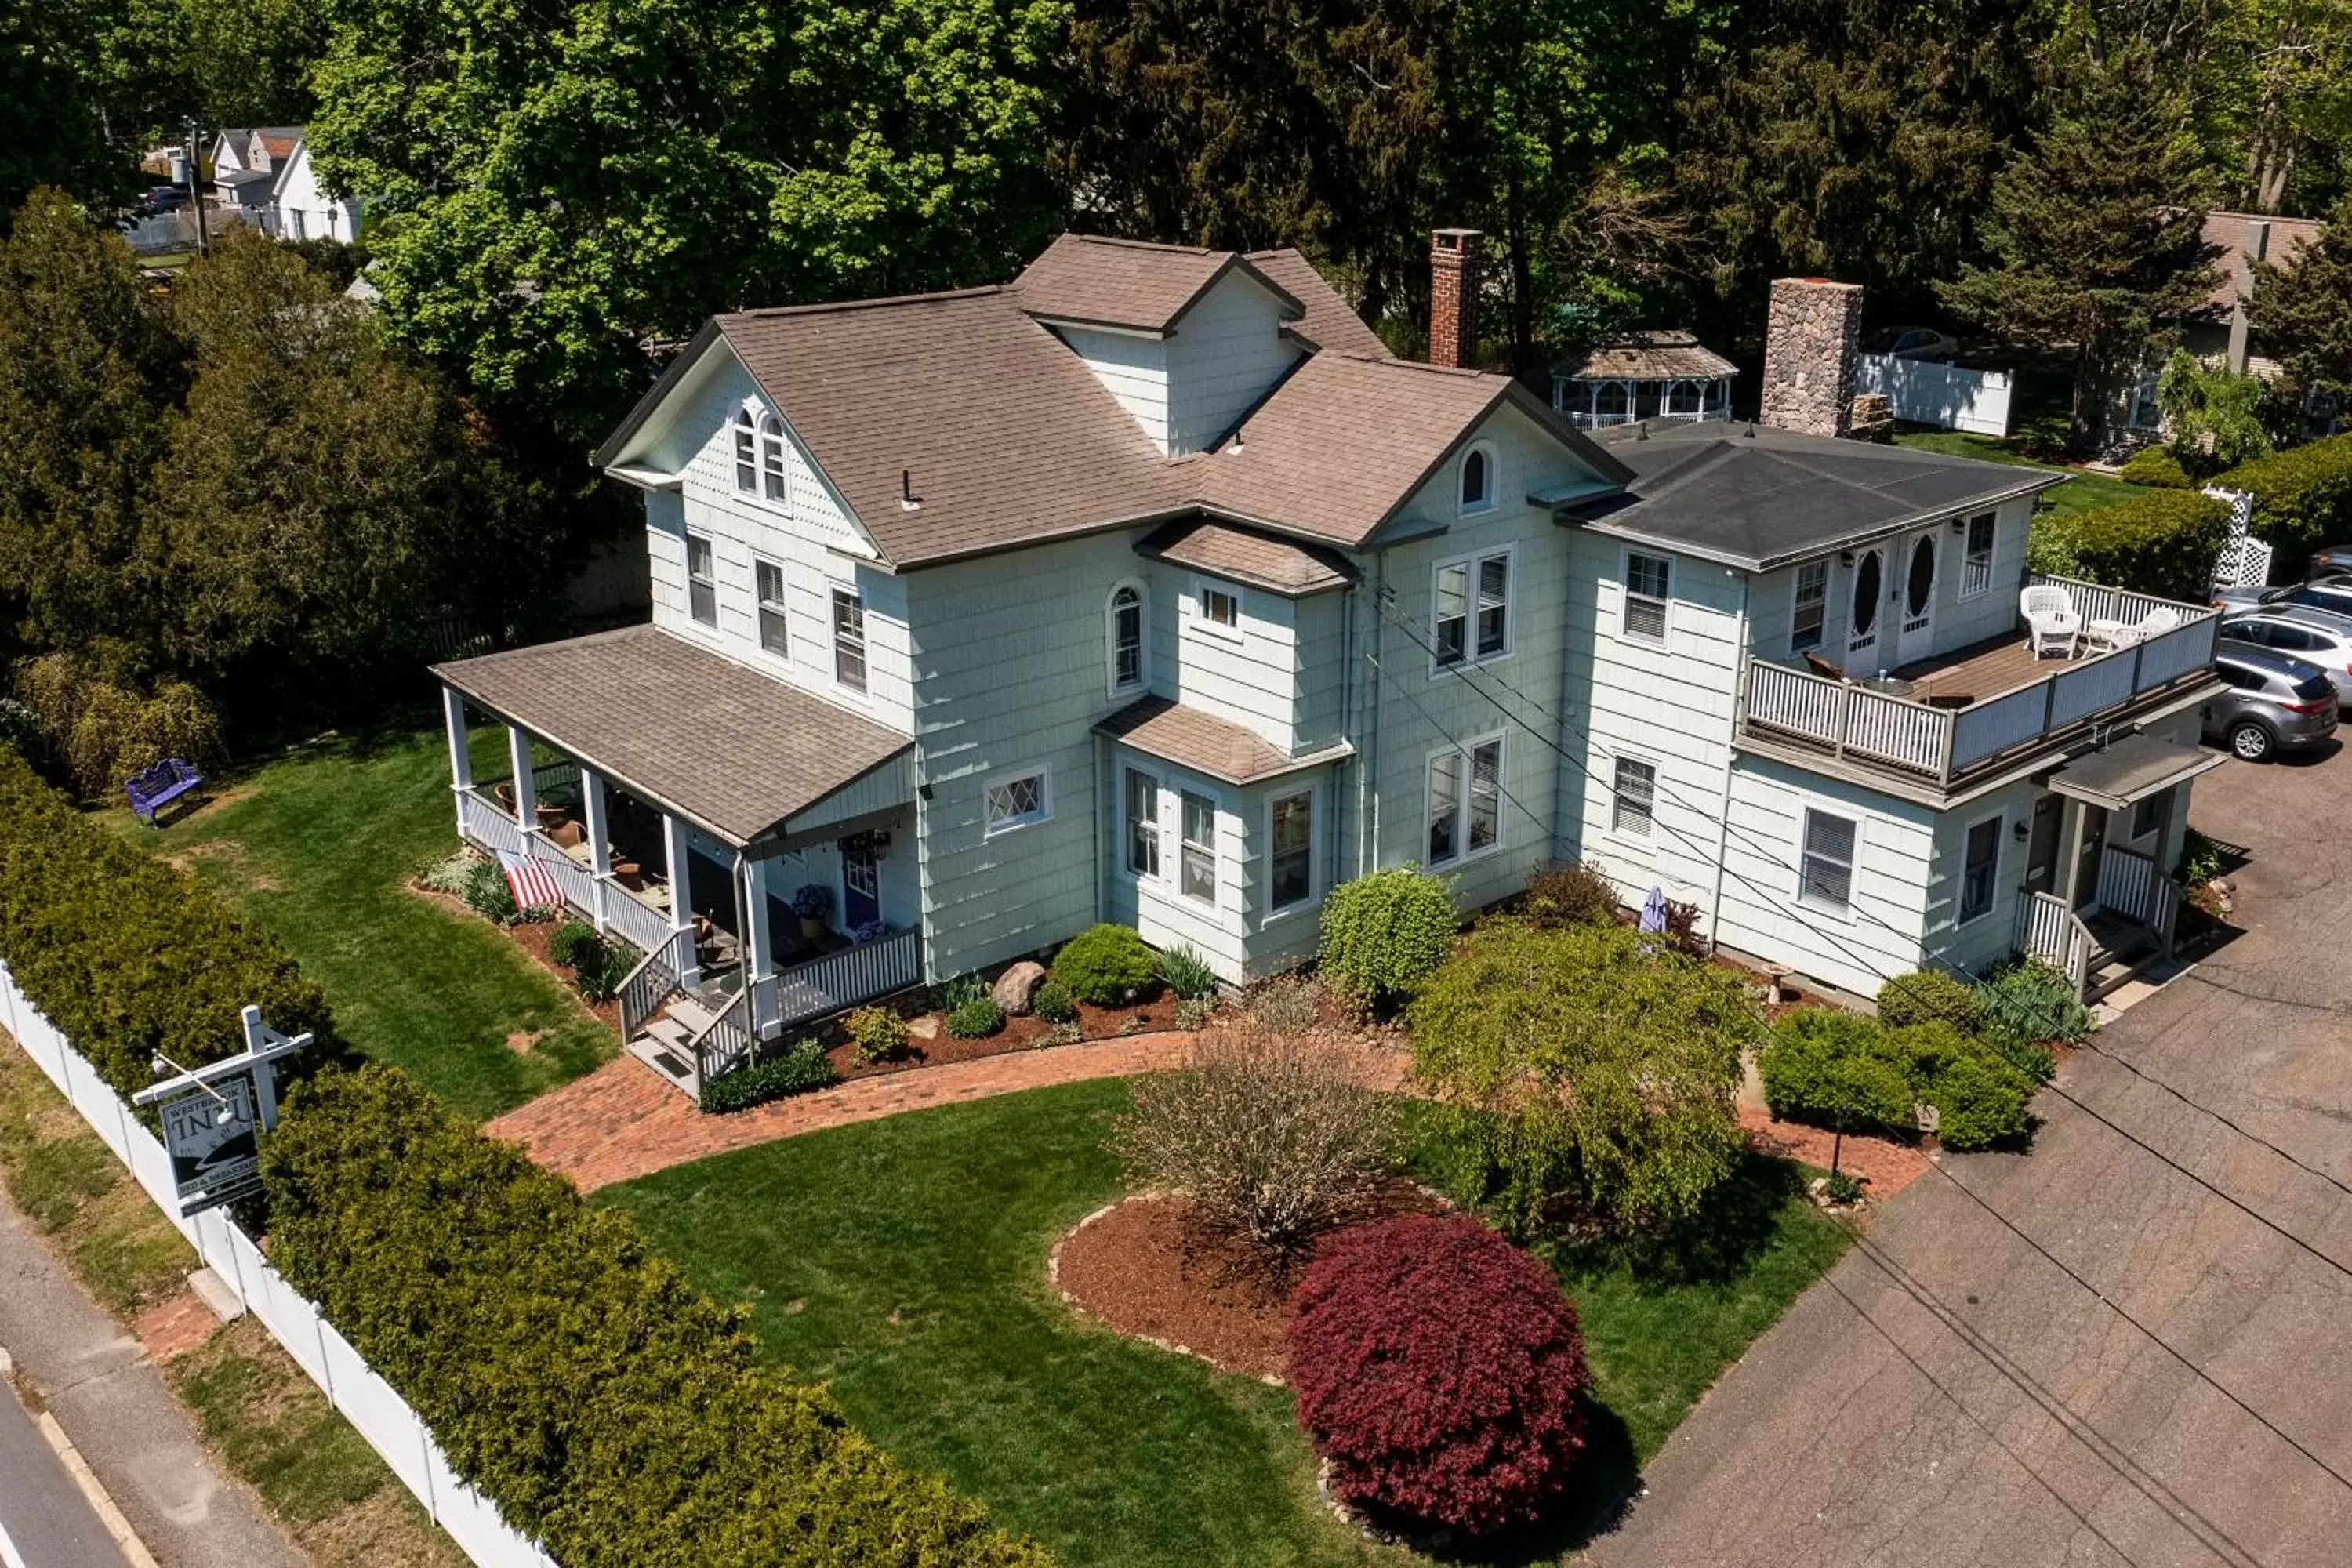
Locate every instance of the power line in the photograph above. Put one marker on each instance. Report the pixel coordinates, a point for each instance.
(2250, 1136)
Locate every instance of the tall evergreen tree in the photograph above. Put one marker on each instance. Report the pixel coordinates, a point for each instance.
(2095, 231)
(2304, 309)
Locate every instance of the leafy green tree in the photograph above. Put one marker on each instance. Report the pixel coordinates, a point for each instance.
(53, 120)
(88, 365)
(2095, 232)
(1856, 139)
(562, 186)
(2212, 419)
(250, 60)
(2304, 312)
(1587, 1060)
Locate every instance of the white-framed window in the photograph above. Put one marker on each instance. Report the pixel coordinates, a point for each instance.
(1685, 399)
(701, 581)
(1976, 565)
(1809, 614)
(1825, 865)
(1633, 794)
(1123, 631)
(1470, 610)
(774, 467)
(1476, 491)
(1464, 816)
(1198, 874)
(1142, 824)
(1612, 403)
(1290, 850)
(1980, 867)
(1017, 800)
(1220, 608)
(775, 630)
(1649, 588)
(849, 639)
(747, 452)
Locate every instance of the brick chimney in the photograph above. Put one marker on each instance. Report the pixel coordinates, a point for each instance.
(1811, 340)
(1454, 281)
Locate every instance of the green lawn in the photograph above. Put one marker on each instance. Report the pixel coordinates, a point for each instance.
(903, 1261)
(2081, 492)
(319, 846)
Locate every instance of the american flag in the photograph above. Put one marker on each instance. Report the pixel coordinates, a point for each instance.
(529, 880)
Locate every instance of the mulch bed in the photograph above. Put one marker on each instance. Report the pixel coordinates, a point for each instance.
(1018, 1034)
(1144, 1269)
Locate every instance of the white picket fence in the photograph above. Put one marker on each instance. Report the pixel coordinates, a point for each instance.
(365, 1400)
(1926, 393)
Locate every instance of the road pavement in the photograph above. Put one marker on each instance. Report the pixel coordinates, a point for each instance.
(44, 1522)
(2131, 1346)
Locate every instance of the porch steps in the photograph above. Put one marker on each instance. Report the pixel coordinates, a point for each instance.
(2122, 950)
(667, 1047)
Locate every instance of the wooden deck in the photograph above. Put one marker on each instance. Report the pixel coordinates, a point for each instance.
(1980, 671)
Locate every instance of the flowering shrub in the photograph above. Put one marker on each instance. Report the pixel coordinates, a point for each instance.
(1440, 1372)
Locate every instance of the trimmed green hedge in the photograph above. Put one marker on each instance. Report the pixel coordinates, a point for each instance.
(2157, 469)
(2163, 543)
(127, 955)
(2303, 497)
(569, 1372)
(1823, 1063)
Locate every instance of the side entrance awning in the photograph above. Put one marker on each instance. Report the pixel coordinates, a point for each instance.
(2131, 770)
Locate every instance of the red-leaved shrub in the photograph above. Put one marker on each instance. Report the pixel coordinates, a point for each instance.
(1440, 1371)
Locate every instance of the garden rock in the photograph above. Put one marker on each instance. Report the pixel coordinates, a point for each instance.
(1016, 988)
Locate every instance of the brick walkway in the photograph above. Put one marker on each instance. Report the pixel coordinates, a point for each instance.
(621, 1121)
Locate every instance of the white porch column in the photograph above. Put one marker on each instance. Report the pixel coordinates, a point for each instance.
(525, 793)
(756, 918)
(461, 760)
(594, 807)
(681, 893)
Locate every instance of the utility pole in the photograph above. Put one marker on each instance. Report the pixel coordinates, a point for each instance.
(196, 190)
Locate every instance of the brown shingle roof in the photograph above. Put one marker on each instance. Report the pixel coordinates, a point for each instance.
(733, 749)
(1126, 282)
(1329, 324)
(1206, 743)
(2230, 233)
(1001, 430)
(1277, 565)
(1647, 356)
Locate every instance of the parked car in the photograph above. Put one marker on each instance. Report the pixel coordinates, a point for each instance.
(2276, 702)
(1915, 342)
(2330, 561)
(161, 199)
(2323, 637)
(2331, 592)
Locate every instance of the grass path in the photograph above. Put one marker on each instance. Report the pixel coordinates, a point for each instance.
(2081, 492)
(903, 1261)
(319, 844)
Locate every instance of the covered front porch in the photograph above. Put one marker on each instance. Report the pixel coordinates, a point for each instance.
(753, 844)
(2100, 903)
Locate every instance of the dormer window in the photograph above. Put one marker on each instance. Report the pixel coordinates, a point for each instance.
(1123, 630)
(1477, 479)
(771, 460)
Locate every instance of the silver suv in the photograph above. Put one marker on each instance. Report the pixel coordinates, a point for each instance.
(2275, 703)
(2323, 637)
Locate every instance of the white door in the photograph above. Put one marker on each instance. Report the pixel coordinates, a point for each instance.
(1867, 616)
(1915, 595)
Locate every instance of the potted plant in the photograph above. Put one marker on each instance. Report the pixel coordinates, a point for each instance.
(812, 903)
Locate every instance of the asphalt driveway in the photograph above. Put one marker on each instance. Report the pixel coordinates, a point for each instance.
(2089, 1355)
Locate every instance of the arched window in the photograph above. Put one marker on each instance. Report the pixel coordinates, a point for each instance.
(747, 456)
(1479, 478)
(1123, 633)
(1613, 403)
(772, 458)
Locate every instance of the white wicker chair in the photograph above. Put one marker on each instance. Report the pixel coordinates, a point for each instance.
(2052, 621)
(2108, 636)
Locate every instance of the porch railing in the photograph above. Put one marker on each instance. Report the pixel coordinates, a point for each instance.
(2049, 931)
(629, 916)
(483, 822)
(651, 984)
(1944, 744)
(2134, 886)
(838, 980)
(725, 1044)
(486, 823)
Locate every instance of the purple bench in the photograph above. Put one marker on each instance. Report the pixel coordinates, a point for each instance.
(151, 789)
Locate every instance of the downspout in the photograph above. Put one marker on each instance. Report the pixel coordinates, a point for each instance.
(1561, 816)
(1335, 834)
(1723, 810)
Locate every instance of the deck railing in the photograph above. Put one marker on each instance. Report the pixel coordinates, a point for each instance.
(2049, 931)
(725, 1044)
(838, 980)
(651, 984)
(490, 826)
(1944, 744)
(2134, 886)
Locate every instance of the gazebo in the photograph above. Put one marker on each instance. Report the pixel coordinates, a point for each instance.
(1659, 375)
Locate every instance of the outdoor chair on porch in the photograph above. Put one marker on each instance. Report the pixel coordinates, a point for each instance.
(2109, 637)
(2053, 624)
(1823, 668)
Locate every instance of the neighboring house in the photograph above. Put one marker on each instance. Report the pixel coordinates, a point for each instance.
(1644, 375)
(1150, 588)
(300, 208)
(2218, 332)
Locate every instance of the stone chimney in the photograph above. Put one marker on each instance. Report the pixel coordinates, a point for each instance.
(1454, 281)
(1811, 340)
